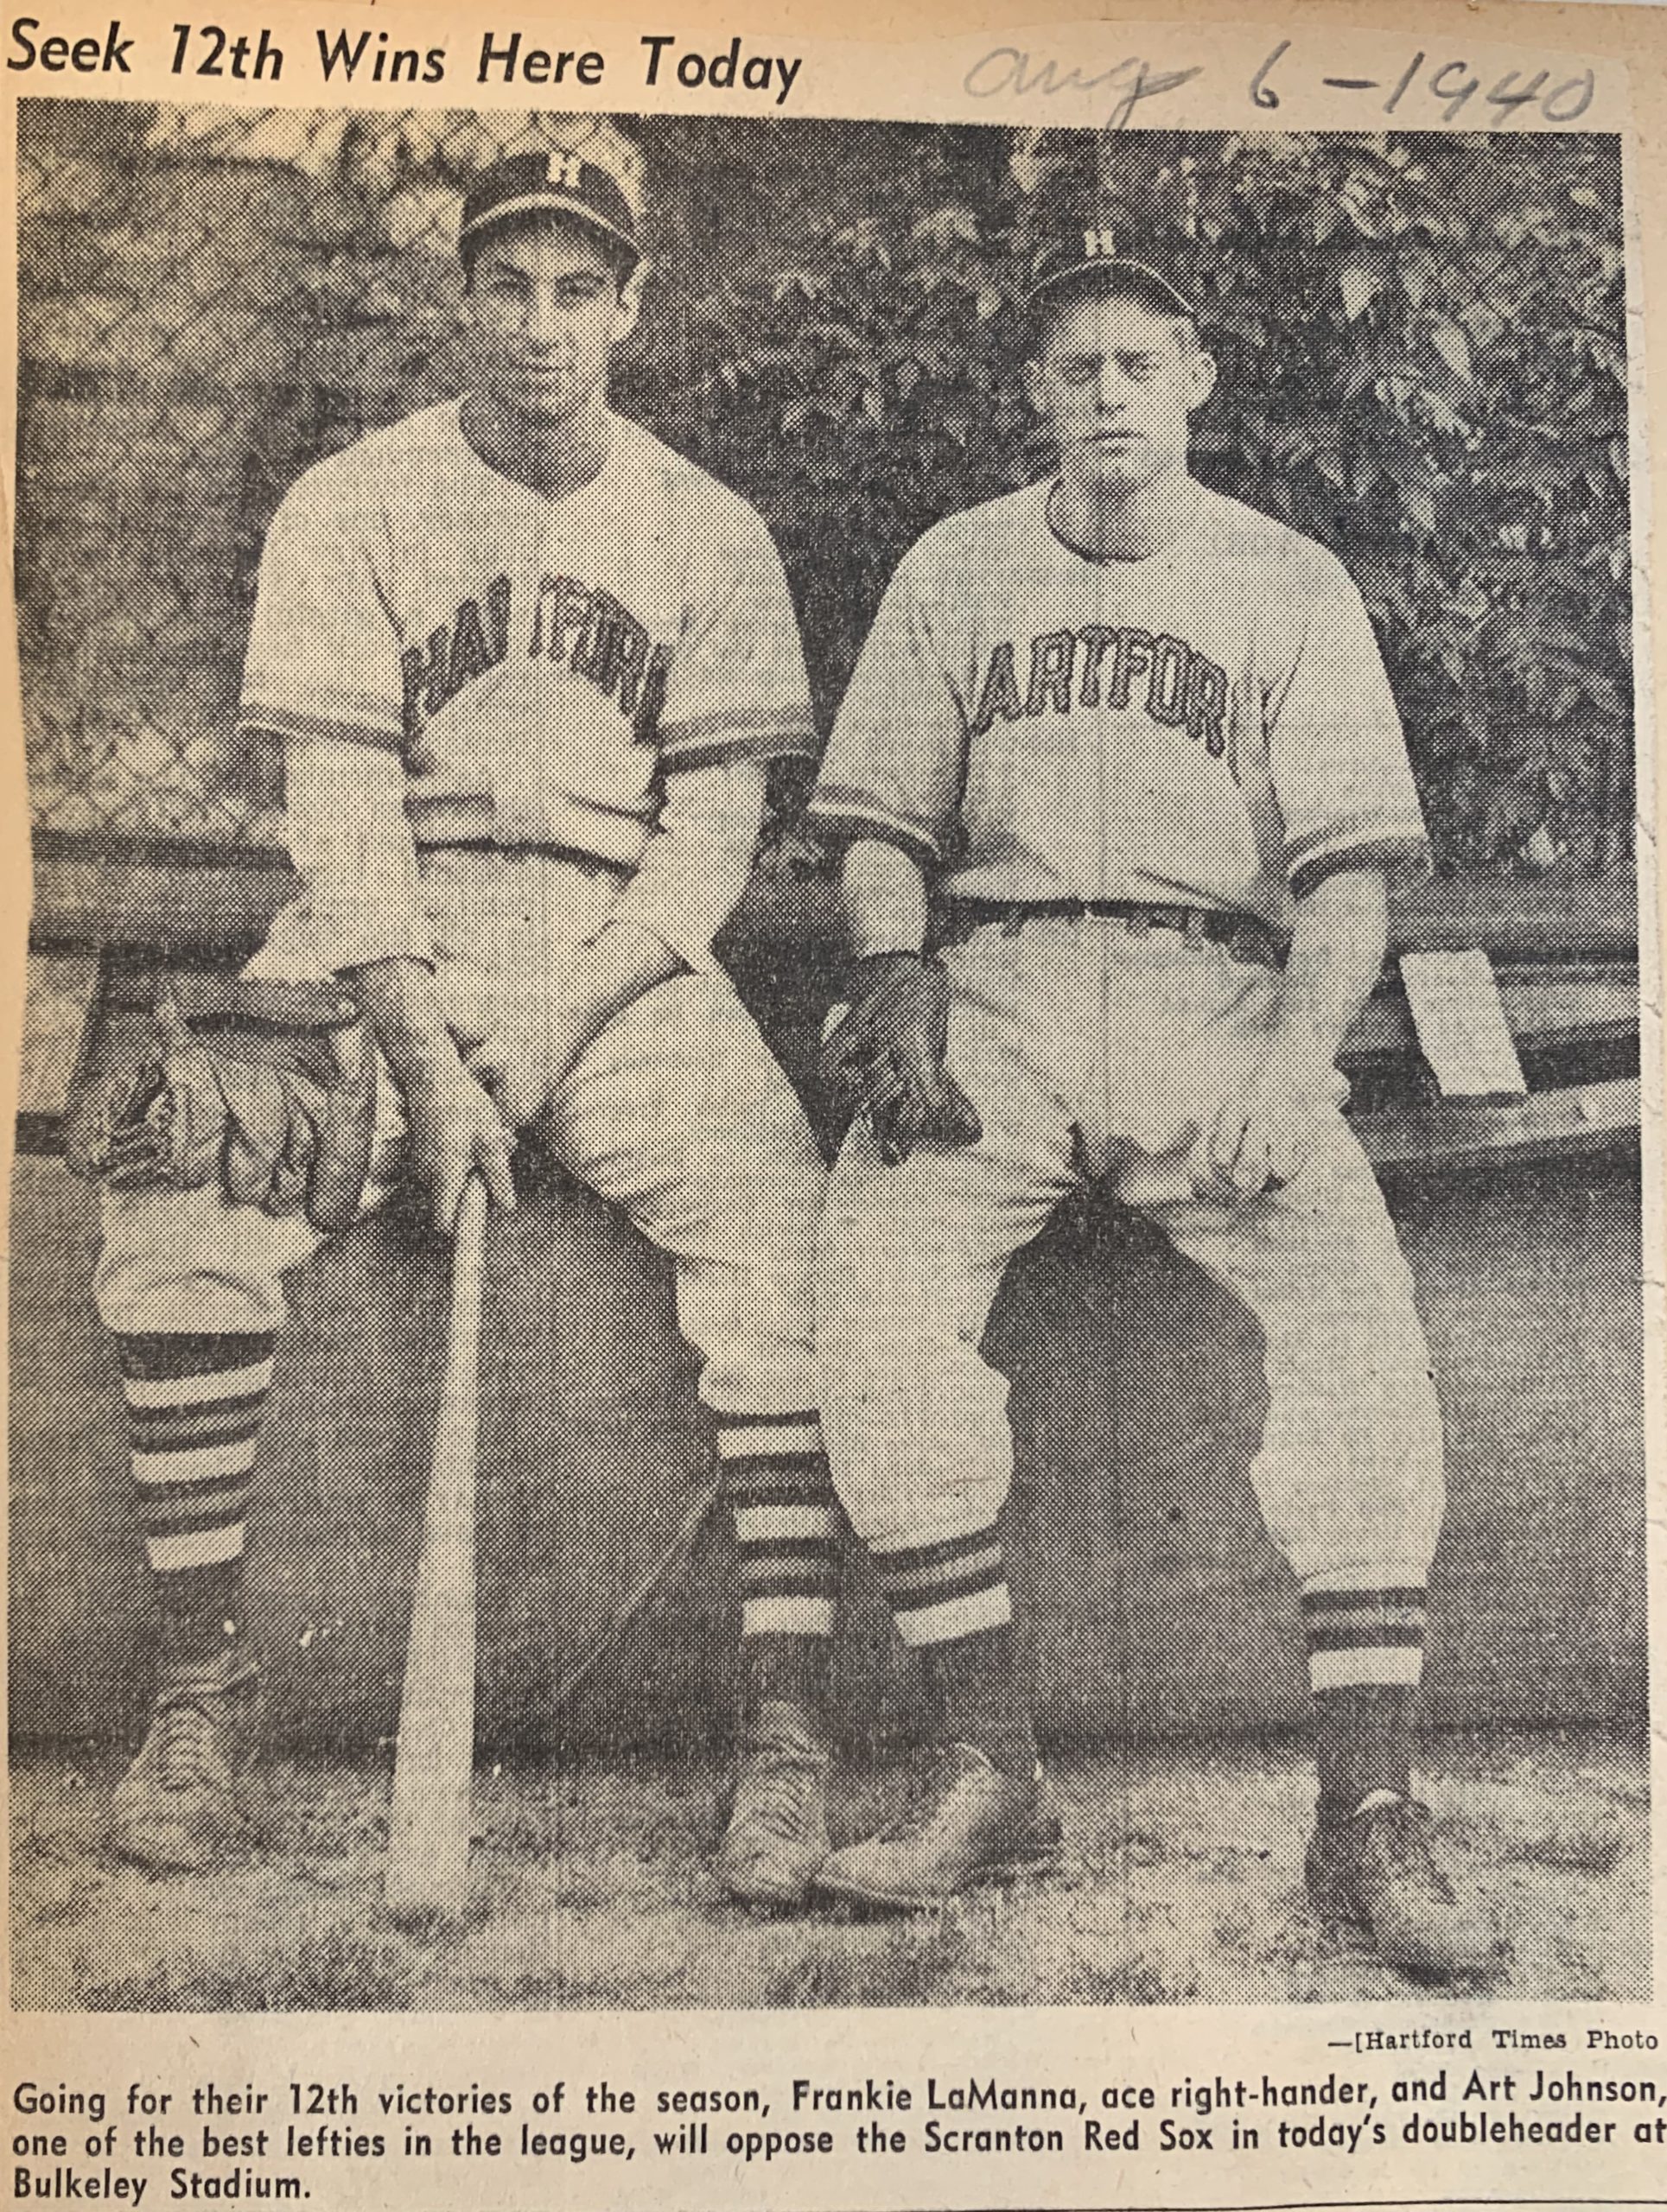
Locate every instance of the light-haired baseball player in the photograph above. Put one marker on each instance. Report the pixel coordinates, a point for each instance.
(528, 667)
(1138, 740)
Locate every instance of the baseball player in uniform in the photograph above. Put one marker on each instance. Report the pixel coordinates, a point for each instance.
(528, 667)
(1119, 781)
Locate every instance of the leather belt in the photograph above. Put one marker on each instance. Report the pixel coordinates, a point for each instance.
(1241, 935)
(596, 863)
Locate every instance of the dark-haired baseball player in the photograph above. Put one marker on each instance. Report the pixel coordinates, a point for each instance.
(528, 667)
(1137, 739)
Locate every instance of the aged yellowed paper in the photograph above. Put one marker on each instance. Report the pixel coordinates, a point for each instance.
(835, 1238)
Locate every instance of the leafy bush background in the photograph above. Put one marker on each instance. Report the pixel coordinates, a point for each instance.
(1422, 342)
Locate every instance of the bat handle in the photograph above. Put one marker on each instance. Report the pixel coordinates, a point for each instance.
(429, 1813)
(469, 1239)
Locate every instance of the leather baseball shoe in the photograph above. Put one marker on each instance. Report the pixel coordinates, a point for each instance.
(185, 1795)
(776, 1836)
(1376, 1872)
(969, 1823)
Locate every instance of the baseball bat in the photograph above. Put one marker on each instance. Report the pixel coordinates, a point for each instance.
(429, 1814)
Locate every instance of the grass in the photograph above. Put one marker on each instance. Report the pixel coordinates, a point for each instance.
(592, 1891)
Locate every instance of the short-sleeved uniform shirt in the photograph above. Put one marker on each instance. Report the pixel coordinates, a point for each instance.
(1209, 727)
(538, 664)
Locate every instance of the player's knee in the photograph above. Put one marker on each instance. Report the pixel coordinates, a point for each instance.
(134, 1301)
(169, 1262)
(870, 1296)
(766, 1163)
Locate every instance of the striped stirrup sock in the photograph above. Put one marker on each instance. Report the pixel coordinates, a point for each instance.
(943, 1590)
(1362, 1637)
(194, 1406)
(776, 1481)
(1366, 1655)
(951, 1604)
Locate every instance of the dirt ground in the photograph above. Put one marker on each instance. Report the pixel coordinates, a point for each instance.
(592, 1890)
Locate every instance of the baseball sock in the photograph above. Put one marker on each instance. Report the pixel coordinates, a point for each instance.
(974, 1680)
(194, 1406)
(1365, 1656)
(952, 1602)
(776, 1481)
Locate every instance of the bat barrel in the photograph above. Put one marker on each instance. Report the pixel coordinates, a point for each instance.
(428, 1815)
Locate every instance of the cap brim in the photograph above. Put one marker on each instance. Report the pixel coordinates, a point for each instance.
(1112, 269)
(549, 203)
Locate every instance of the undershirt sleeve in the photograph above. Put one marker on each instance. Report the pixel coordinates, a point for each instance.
(322, 677)
(697, 860)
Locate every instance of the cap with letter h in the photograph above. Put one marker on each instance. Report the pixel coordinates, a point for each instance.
(555, 183)
(1086, 259)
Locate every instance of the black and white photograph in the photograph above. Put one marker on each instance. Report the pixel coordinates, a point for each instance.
(828, 1185)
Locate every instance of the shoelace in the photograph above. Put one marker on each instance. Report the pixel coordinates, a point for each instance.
(1405, 1844)
(186, 1733)
(780, 1790)
(931, 1792)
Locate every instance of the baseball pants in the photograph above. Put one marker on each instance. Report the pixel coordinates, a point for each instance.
(678, 1113)
(1094, 1051)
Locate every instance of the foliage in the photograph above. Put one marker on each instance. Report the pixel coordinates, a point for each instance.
(1422, 343)
(1422, 339)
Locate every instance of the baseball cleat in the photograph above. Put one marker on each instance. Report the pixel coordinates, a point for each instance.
(969, 1824)
(776, 1836)
(185, 1795)
(1376, 1872)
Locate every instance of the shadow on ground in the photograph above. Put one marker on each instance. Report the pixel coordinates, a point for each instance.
(592, 1890)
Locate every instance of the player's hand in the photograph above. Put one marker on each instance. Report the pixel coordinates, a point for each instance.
(522, 1060)
(908, 1106)
(456, 1129)
(884, 1057)
(1264, 1130)
(531, 1050)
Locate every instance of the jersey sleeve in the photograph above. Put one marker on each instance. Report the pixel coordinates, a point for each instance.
(896, 764)
(737, 689)
(351, 845)
(1341, 776)
(323, 659)
(322, 675)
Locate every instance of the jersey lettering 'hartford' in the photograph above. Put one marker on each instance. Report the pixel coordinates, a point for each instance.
(1209, 725)
(598, 637)
(1182, 689)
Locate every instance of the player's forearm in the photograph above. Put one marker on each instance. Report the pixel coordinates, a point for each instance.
(885, 900)
(620, 964)
(400, 1000)
(691, 879)
(695, 866)
(1339, 935)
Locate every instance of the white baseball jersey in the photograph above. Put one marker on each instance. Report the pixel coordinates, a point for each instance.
(1209, 727)
(520, 669)
(452, 659)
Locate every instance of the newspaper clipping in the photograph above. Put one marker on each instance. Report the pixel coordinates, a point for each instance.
(834, 1263)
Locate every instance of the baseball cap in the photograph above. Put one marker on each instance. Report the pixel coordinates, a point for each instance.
(563, 184)
(1090, 254)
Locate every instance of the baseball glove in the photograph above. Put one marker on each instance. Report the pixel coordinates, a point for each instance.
(884, 1058)
(272, 1094)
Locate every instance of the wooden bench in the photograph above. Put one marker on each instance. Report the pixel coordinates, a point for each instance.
(1567, 951)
